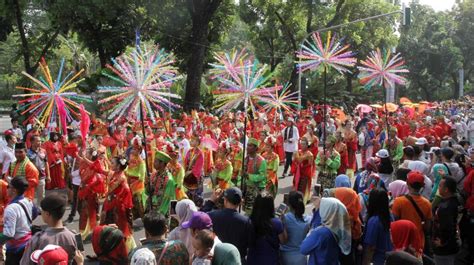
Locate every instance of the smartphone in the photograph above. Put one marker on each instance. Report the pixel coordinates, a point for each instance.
(142, 240)
(80, 244)
(173, 207)
(317, 190)
(286, 198)
(282, 209)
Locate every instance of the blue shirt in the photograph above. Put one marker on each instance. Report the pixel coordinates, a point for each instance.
(316, 220)
(376, 235)
(321, 246)
(296, 229)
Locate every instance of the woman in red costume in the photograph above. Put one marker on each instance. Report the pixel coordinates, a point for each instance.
(54, 151)
(350, 137)
(312, 139)
(303, 169)
(118, 204)
(92, 170)
(341, 148)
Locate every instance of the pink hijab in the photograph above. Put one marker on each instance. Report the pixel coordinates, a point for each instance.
(398, 188)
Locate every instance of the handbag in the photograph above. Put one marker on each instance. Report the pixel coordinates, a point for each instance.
(34, 228)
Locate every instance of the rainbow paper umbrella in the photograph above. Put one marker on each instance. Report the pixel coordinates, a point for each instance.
(52, 101)
(329, 54)
(382, 69)
(245, 82)
(144, 77)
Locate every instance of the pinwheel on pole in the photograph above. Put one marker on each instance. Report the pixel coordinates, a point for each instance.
(383, 69)
(283, 100)
(242, 82)
(52, 101)
(329, 54)
(143, 77)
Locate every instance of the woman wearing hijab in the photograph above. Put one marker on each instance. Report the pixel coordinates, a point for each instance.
(184, 211)
(405, 237)
(377, 229)
(398, 188)
(373, 182)
(343, 181)
(438, 172)
(332, 237)
(371, 166)
(350, 199)
(108, 243)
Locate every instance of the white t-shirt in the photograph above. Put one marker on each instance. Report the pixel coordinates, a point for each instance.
(291, 143)
(7, 156)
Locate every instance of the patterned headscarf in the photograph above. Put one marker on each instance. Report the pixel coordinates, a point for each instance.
(334, 216)
(437, 178)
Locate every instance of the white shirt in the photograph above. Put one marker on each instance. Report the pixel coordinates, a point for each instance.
(18, 134)
(183, 148)
(7, 156)
(291, 144)
(15, 222)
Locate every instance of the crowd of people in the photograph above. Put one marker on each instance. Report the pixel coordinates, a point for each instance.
(384, 188)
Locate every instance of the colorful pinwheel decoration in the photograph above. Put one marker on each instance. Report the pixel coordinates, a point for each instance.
(283, 100)
(329, 54)
(382, 69)
(333, 54)
(228, 62)
(52, 102)
(246, 82)
(143, 79)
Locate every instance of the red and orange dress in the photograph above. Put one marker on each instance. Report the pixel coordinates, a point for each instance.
(303, 170)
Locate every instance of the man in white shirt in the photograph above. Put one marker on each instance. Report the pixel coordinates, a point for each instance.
(7, 155)
(290, 143)
(17, 221)
(16, 130)
(424, 155)
(182, 143)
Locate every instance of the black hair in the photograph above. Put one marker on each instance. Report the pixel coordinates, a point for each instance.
(417, 150)
(450, 184)
(295, 201)
(119, 160)
(464, 142)
(262, 213)
(447, 152)
(416, 186)
(20, 184)
(378, 206)
(402, 173)
(15, 119)
(409, 152)
(55, 205)
(385, 166)
(8, 137)
(460, 159)
(155, 223)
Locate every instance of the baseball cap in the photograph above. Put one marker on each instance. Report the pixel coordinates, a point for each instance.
(382, 153)
(421, 141)
(198, 221)
(143, 256)
(233, 195)
(179, 129)
(415, 177)
(50, 255)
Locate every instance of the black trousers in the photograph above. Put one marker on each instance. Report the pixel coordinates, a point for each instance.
(75, 189)
(13, 258)
(288, 160)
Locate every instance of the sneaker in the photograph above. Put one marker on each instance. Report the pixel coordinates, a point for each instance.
(283, 176)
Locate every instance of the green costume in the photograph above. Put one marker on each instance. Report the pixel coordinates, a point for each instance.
(328, 171)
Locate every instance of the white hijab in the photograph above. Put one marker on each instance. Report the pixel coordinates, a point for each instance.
(184, 211)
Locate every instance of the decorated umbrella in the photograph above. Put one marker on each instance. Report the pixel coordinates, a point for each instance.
(328, 54)
(377, 106)
(52, 101)
(382, 69)
(339, 113)
(143, 77)
(390, 107)
(405, 101)
(245, 83)
(364, 108)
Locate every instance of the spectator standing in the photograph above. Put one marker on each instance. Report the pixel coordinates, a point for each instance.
(325, 243)
(23, 167)
(184, 211)
(17, 221)
(445, 246)
(414, 207)
(37, 156)
(171, 252)
(231, 226)
(16, 130)
(269, 232)
(296, 228)
(290, 144)
(53, 208)
(7, 155)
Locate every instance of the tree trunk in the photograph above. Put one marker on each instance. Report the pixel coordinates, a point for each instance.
(102, 56)
(309, 20)
(201, 13)
(25, 49)
(455, 85)
(349, 82)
